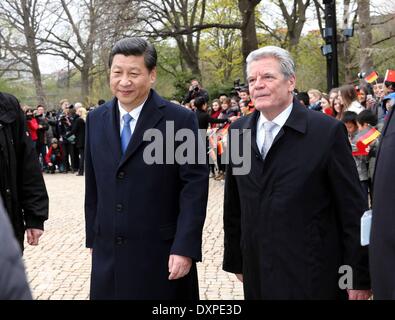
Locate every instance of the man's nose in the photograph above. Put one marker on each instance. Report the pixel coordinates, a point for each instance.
(259, 83)
(125, 80)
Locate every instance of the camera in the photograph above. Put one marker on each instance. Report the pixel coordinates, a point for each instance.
(361, 75)
(196, 88)
(237, 86)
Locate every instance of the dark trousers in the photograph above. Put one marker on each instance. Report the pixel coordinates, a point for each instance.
(41, 149)
(81, 156)
(68, 150)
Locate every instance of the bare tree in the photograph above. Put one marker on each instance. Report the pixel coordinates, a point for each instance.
(295, 20)
(24, 17)
(365, 35)
(75, 37)
(184, 20)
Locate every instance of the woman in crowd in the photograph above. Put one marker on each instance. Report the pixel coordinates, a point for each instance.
(78, 130)
(204, 119)
(325, 104)
(348, 97)
(362, 95)
(338, 109)
(32, 125)
(215, 111)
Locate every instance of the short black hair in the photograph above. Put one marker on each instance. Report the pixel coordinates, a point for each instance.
(101, 101)
(135, 47)
(390, 85)
(350, 116)
(303, 96)
(245, 89)
(199, 102)
(367, 116)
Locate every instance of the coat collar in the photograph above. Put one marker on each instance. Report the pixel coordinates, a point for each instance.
(149, 117)
(297, 121)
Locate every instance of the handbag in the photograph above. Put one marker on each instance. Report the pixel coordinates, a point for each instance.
(71, 139)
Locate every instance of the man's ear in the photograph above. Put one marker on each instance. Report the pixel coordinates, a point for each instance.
(292, 83)
(153, 75)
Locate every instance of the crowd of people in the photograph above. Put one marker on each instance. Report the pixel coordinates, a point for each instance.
(58, 136)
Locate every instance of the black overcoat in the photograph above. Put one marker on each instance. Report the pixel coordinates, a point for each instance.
(138, 214)
(382, 242)
(294, 219)
(21, 182)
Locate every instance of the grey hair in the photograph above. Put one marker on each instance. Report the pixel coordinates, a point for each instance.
(283, 56)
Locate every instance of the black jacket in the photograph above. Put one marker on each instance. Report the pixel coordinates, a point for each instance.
(204, 119)
(193, 94)
(78, 129)
(294, 219)
(21, 182)
(13, 283)
(382, 241)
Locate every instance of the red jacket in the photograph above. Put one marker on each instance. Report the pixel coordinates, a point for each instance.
(50, 152)
(32, 126)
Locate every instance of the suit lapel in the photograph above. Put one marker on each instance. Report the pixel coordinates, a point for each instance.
(251, 124)
(381, 141)
(149, 117)
(297, 120)
(111, 129)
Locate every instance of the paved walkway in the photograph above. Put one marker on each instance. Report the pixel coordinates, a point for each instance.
(59, 268)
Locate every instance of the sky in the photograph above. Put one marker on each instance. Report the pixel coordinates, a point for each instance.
(49, 64)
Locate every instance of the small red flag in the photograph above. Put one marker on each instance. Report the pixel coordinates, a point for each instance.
(390, 76)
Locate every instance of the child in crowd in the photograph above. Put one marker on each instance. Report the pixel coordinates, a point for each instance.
(361, 161)
(366, 121)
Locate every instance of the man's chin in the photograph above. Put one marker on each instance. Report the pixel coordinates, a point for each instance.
(262, 107)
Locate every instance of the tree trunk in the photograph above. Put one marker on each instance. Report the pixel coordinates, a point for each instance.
(248, 30)
(85, 85)
(30, 37)
(190, 56)
(365, 36)
(41, 98)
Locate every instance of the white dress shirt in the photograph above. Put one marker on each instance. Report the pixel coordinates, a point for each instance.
(279, 121)
(135, 113)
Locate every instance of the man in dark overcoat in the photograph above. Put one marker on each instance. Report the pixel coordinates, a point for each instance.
(292, 222)
(382, 243)
(144, 218)
(22, 185)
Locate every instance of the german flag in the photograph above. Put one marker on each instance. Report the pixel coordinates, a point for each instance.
(389, 76)
(364, 141)
(371, 77)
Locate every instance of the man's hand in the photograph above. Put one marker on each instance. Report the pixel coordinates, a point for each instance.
(239, 276)
(359, 294)
(33, 235)
(179, 266)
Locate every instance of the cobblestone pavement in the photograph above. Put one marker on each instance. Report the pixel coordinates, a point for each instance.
(59, 268)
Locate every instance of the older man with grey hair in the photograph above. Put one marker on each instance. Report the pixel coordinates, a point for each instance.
(292, 223)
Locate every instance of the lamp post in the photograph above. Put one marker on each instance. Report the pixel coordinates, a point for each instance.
(330, 47)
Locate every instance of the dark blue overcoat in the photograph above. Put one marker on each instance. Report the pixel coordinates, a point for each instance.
(138, 214)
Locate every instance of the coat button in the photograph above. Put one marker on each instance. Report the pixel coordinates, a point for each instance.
(121, 175)
(120, 240)
(119, 207)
